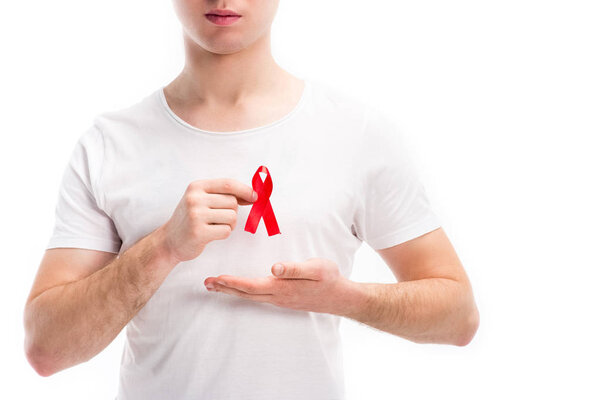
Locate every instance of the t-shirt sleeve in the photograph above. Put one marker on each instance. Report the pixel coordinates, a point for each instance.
(393, 205)
(80, 220)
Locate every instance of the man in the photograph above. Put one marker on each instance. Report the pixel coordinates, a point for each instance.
(147, 230)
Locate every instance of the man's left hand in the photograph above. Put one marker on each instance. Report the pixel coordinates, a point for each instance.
(313, 285)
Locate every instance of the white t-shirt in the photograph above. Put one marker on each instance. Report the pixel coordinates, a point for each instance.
(341, 175)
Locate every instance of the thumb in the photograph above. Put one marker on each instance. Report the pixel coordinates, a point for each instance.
(296, 270)
(287, 270)
(278, 269)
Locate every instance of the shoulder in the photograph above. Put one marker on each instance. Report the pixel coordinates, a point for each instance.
(131, 118)
(337, 101)
(348, 105)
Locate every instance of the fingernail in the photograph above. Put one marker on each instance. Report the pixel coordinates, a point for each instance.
(210, 285)
(254, 196)
(278, 269)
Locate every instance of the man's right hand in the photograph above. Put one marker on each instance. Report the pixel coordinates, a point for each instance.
(73, 284)
(206, 212)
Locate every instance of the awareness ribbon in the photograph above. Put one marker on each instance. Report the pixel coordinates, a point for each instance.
(262, 206)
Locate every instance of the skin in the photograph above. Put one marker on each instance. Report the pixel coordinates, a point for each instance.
(432, 302)
(81, 299)
(230, 80)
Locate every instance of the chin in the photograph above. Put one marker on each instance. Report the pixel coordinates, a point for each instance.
(224, 48)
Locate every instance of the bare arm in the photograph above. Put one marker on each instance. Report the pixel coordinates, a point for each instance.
(70, 323)
(71, 315)
(432, 301)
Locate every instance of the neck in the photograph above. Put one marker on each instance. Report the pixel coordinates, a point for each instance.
(228, 79)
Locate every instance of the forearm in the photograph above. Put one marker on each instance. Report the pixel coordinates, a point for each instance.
(71, 323)
(435, 310)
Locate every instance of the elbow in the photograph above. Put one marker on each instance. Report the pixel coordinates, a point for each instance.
(469, 328)
(35, 354)
(40, 362)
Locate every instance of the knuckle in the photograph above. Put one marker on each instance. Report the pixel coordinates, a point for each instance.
(195, 185)
(189, 200)
(226, 231)
(232, 216)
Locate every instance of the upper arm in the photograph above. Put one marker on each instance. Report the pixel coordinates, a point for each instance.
(427, 256)
(393, 206)
(81, 217)
(84, 238)
(394, 215)
(62, 265)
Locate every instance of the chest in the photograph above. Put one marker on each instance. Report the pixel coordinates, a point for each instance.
(313, 198)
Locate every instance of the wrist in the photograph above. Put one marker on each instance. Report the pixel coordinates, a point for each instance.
(161, 247)
(356, 297)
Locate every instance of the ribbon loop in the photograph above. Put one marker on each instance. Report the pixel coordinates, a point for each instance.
(262, 206)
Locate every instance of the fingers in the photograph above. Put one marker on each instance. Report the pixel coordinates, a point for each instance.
(231, 186)
(263, 298)
(312, 270)
(217, 200)
(221, 216)
(256, 286)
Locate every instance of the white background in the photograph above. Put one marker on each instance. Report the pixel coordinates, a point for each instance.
(501, 100)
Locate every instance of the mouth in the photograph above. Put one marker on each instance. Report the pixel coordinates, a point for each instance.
(222, 17)
(223, 12)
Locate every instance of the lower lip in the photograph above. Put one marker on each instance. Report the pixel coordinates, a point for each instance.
(222, 20)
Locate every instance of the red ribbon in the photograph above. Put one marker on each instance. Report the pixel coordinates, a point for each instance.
(262, 206)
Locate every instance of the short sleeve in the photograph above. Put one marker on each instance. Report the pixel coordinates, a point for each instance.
(393, 206)
(80, 221)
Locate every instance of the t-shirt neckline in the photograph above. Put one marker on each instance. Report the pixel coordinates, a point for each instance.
(289, 115)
